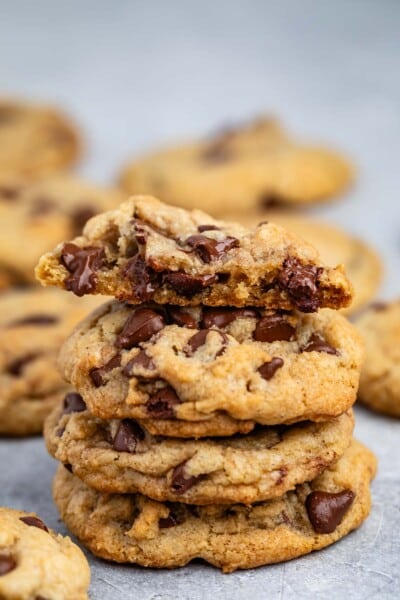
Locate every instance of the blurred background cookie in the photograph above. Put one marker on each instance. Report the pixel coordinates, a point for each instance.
(35, 140)
(246, 167)
(33, 324)
(34, 216)
(380, 375)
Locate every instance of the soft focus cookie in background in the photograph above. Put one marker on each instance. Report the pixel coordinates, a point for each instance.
(240, 169)
(33, 324)
(35, 140)
(36, 562)
(134, 529)
(362, 263)
(34, 216)
(380, 375)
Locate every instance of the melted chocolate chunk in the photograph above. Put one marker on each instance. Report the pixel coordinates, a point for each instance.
(188, 285)
(128, 436)
(34, 522)
(202, 228)
(141, 234)
(16, 367)
(268, 369)
(269, 200)
(199, 339)
(68, 467)
(301, 284)
(98, 374)
(37, 319)
(273, 328)
(208, 249)
(181, 317)
(317, 343)
(140, 327)
(145, 280)
(221, 317)
(180, 483)
(175, 517)
(140, 360)
(161, 404)
(326, 511)
(82, 264)
(7, 564)
(80, 216)
(73, 402)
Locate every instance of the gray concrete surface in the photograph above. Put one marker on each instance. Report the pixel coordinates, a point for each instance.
(139, 73)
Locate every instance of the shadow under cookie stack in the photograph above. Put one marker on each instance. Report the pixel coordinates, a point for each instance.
(210, 406)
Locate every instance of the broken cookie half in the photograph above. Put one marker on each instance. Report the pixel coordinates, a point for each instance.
(146, 250)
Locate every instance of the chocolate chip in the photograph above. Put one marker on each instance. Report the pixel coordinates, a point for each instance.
(202, 228)
(140, 326)
(42, 205)
(300, 283)
(80, 216)
(187, 285)
(16, 367)
(269, 200)
(268, 369)
(144, 279)
(38, 319)
(140, 360)
(68, 467)
(98, 374)
(82, 264)
(317, 343)
(181, 317)
(221, 317)
(161, 404)
(34, 522)
(208, 249)
(218, 151)
(180, 483)
(7, 564)
(273, 328)
(199, 339)
(127, 437)
(175, 517)
(378, 306)
(141, 233)
(326, 510)
(73, 402)
(8, 192)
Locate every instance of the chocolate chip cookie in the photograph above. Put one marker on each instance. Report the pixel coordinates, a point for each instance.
(240, 169)
(195, 363)
(36, 563)
(36, 216)
(35, 140)
(132, 528)
(119, 456)
(363, 265)
(146, 250)
(33, 324)
(380, 373)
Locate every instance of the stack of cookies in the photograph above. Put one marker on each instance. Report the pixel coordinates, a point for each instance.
(210, 409)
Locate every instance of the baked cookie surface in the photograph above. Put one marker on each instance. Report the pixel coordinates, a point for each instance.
(36, 563)
(240, 169)
(132, 528)
(380, 374)
(38, 215)
(121, 457)
(33, 324)
(336, 247)
(35, 140)
(195, 364)
(146, 250)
